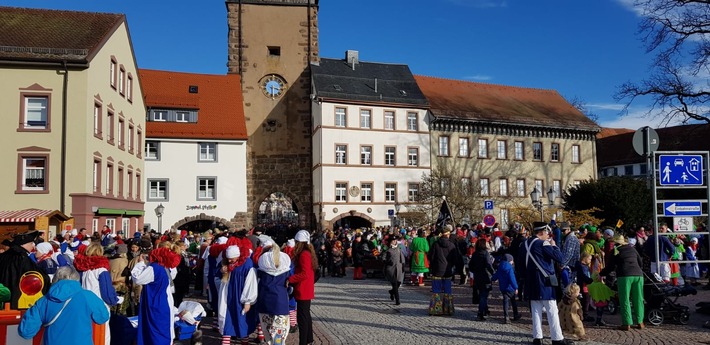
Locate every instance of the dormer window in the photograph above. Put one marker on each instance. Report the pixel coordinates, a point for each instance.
(173, 115)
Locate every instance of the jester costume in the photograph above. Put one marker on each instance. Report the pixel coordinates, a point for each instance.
(420, 263)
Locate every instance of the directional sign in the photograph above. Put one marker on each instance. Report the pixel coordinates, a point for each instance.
(488, 204)
(681, 170)
(489, 220)
(682, 208)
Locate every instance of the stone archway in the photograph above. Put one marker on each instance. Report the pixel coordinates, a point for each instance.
(353, 216)
(279, 208)
(203, 217)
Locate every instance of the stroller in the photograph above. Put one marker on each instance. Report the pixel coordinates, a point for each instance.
(187, 324)
(661, 300)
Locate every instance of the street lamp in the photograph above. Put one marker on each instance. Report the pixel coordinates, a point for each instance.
(159, 212)
(538, 204)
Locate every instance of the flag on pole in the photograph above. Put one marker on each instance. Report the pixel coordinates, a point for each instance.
(445, 215)
(619, 223)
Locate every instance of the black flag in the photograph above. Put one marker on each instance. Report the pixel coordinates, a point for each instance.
(444, 215)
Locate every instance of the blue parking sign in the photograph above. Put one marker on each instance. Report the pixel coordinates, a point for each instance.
(680, 170)
(488, 204)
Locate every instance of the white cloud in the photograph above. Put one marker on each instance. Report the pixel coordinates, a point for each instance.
(636, 119)
(605, 106)
(480, 3)
(478, 77)
(629, 5)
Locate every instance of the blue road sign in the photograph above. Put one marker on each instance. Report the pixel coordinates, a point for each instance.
(488, 204)
(682, 208)
(681, 170)
(390, 212)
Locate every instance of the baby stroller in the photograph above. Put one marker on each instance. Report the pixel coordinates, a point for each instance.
(661, 300)
(188, 317)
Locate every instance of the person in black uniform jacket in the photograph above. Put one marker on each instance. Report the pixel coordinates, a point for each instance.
(15, 262)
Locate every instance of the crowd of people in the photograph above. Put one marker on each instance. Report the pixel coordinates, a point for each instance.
(253, 286)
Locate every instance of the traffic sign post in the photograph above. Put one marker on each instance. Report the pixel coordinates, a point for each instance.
(489, 220)
(488, 204)
(680, 170)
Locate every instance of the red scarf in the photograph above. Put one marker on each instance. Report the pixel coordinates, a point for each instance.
(84, 263)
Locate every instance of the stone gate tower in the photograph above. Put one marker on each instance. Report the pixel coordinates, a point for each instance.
(271, 45)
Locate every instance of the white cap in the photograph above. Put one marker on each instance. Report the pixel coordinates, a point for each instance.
(303, 236)
(221, 240)
(44, 248)
(267, 243)
(232, 252)
(291, 243)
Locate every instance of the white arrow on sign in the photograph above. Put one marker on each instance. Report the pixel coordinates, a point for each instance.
(672, 208)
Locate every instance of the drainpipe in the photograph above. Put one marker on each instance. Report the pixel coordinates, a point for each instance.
(62, 184)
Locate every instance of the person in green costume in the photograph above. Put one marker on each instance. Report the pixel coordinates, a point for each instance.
(420, 263)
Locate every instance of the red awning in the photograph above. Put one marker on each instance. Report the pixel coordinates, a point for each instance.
(24, 216)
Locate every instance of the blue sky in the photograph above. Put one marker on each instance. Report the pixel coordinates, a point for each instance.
(582, 49)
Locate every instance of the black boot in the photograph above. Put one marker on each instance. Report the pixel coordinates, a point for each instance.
(563, 342)
(391, 295)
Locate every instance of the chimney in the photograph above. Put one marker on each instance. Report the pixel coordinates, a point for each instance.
(351, 57)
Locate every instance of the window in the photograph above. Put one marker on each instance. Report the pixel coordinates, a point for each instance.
(340, 117)
(341, 154)
(114, 71)
(152, 150)
(444, 146)
(94, 225)
(274, 51)
(157, 189)
(643, 169)
(413, 192)
(160, 115)
(34, 173)
(482, 148)
(575, 154)
(537, 151)
(485, 191)
(208, 152)
(109, 179)
(129, 88)
(628, 170)
(365, 118)
(341, 192)
(520, 187)
(519, 150)
(139, 138)
(412, 122)
(97, 120)
(36, 112)
(413, 156)
(130, 184)
(503, 187)
(463, 147)
(120, 181)
(555, 152)
(125, 225)
(111, 223)
(138, 186)
(504, 219)
(540, 186)
(121, 130)
(111, 126)
(390, 192)
(465, 185)
(206, 188)
(445, 185)
(366, 155)
(366, 191)
(182, 116)
(556, 187)
(122, 80)
(130, 138)
(97, 176)
(389, 119)
(390, 153)
(501, 149)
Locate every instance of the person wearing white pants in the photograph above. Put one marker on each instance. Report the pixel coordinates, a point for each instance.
(539, 253)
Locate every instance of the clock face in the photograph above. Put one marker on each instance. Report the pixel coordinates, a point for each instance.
(273, 86)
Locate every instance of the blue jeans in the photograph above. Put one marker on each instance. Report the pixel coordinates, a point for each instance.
(483, 301)
(509, 299)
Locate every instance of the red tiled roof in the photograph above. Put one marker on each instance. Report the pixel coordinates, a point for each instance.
(49, 35)
(218, 101)
(471, 101)
(607, 132)
(618, 149)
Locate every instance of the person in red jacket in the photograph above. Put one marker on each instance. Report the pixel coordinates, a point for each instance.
(303, 282)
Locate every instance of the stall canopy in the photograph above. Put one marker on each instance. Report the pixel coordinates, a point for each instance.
(29, 215)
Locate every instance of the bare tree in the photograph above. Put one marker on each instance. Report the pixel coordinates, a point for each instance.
(581, 106)
(677, 31)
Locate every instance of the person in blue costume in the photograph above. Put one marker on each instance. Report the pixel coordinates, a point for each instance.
(66, 313)
(156, 314)
(238, 291)
(272, 302)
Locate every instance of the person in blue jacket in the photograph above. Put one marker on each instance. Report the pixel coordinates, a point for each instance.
(66, 312)
(539, 253)
(505, 275)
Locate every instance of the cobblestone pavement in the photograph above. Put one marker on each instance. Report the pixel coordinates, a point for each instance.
(360, 312)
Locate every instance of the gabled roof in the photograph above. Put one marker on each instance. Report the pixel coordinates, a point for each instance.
(368, 82)
(218, 101)
(607, 132)
(619, 149)
(479, 102)
(28, 34)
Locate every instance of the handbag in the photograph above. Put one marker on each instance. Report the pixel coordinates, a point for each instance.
(550, 279)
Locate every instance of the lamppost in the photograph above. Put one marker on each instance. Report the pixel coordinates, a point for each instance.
(538, 204)
(159, 212)
(397, 206)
